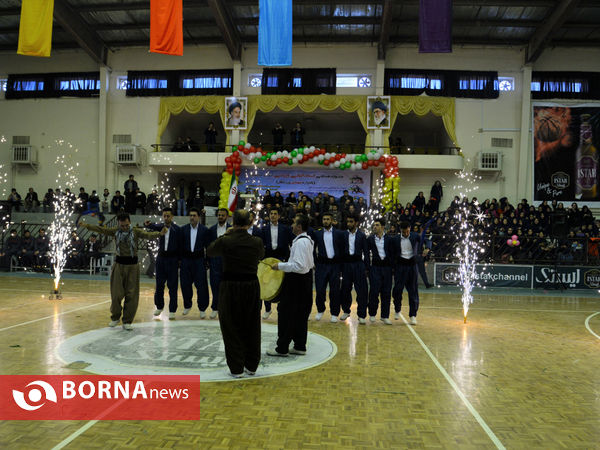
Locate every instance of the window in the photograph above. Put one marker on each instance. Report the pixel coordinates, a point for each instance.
(255, 80)
(420, 83)
(179, 82)
(298, 81)
(122, 83)
(52, 85)
(577, 85)
(348, 80)
(506, 84)
(446, 83)
(3, 84)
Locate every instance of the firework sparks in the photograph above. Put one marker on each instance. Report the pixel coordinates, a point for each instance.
(469, 245)
(62, 226)
(4, 211)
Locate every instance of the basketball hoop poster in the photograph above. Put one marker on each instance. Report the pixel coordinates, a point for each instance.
(566, 158)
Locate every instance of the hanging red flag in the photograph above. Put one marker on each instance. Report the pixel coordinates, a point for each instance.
(166, 27)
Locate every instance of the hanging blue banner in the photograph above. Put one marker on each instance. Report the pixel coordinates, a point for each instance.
(275, 33)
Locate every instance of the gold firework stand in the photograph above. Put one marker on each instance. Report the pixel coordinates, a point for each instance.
(270, 280)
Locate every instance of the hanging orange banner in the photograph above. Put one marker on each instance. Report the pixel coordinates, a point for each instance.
(166, 27)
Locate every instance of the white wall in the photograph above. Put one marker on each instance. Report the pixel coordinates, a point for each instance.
(77, 120)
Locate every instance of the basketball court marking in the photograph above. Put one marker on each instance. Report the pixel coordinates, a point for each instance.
(452, 383)
(587, 324)
(53, 315)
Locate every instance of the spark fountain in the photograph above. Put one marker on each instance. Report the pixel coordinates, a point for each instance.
(62, 226)
(470, 242)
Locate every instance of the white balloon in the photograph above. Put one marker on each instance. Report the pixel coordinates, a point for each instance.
(336, 164)
(248, 145)
(315, 159)
(295, 160)
(279, 154)
(273, 157)
(342, 160)
(327, 155)
(312, 148)
(285, 153)
(321, 157)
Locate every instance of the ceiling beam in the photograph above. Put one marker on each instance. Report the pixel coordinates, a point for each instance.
(543, 35)
(386, 26)
(228, 29)
(87, 38)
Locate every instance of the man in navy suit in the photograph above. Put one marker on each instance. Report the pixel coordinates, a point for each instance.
(381, 249)
(405, 271)
(194, 238)
(277, 239)
(354, 270)
(167, 263)
(215, 264)
(329, 246)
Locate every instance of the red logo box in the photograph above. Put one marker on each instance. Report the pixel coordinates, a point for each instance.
(99, 397)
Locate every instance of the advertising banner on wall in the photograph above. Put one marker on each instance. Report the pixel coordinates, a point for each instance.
(566, 277)
(311, 182)
(566, 140)
(498, 275)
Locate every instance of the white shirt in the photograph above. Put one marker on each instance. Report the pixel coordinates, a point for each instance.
(328, 240)
(193, 235)
(301, 256)
(406, 249)
(380, 244)
(351, 242)
(167, 238)
(250, 230)
(221, 230)
(274, 235)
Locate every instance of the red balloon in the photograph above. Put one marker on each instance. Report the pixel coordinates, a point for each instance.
(236, 165)
(376, 163)
(237, 172)
(228, 159)
(246, 151)
(286, 159)
(229, 170)
(305, 158)
(343, 155)
(278, 161)
(252, 149)
(326, 162)
(365, 166)
(394, 161)
(383, 159)
(239, 147)
(338, 157)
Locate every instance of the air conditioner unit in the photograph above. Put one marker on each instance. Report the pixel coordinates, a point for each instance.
(130, 155)
(23, 154)
(489, 161)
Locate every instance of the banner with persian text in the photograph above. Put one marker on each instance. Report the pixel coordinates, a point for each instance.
(566, 158)
(310, 182)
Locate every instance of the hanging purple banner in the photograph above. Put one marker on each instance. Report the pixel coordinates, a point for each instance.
(435, 26)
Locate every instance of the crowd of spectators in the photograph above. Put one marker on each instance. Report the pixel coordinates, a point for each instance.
(132, 199)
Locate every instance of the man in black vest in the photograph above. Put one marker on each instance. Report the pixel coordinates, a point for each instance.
(277, 239)
(381, 249)
(167, 263)
(193, 266)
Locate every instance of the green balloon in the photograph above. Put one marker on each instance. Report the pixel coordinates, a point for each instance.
(348, 165)
(301, 151)
(264, 157)
(241, 143)
(343, 167)
(256, 160)
(321, 161)
(290, 162)
(294, 153)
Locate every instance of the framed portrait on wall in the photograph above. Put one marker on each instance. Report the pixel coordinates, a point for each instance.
(378, 112)
(235, 113)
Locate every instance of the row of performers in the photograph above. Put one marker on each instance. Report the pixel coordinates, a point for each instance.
(30, 252)
(344, 260)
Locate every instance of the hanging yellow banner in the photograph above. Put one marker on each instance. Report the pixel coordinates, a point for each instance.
(35, 32)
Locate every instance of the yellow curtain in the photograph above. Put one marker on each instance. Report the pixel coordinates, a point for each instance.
(193, 104)
(440, 106)
(308, 103)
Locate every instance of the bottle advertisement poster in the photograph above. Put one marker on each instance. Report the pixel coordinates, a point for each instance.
(566, 143)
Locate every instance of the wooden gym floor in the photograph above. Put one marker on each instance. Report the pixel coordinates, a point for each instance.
(522, 373)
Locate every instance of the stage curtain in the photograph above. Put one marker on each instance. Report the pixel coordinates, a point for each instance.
(309, 103)
(192, 104)
(440, 106)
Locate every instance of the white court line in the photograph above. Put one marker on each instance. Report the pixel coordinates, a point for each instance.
(74, 436)
(452, 383)
(587, 324)
(87, 294)
(459, 308)
(54, 315)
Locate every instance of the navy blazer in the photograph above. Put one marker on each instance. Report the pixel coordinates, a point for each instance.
(199, 245)
(212, 233)
(388, 247)
(174, 244)
(361, 248)
(284, 241)
(415, 241)
(338, 245)
(257, 231)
